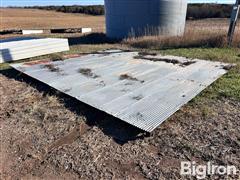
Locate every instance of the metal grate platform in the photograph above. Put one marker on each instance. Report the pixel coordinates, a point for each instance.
(142, 90)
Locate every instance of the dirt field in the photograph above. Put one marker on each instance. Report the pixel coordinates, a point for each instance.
(44, 136)
(41, 19)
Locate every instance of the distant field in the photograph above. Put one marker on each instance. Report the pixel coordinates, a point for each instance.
(35, 19)
(41, 19)
(210, 24)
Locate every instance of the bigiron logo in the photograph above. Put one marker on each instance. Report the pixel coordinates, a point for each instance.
(202, 171)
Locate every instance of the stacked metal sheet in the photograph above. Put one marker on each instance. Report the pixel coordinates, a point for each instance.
(34, 31)
(22, 48)
(142, 90)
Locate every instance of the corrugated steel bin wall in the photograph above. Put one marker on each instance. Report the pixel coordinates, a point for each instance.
(145, 17)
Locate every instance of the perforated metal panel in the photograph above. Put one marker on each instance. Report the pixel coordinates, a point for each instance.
(141, 90)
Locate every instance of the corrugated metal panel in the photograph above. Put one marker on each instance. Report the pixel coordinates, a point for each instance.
(145, 17)
(86, 30)
(25, 32)
(22, 48)
(141, 92)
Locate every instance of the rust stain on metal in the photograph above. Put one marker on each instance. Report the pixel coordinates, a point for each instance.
(151, 57)
(31, 63)
(88, 73)
(139, 97)
(129, 77)
(51, 67)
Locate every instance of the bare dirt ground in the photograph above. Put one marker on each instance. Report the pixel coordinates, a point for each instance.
(42, 19)
(47, 135)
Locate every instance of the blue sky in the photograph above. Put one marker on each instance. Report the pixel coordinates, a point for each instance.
(79, 2)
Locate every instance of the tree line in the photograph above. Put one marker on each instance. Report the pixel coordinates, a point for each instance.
(201, 11)
(195, 11)
(92, 10)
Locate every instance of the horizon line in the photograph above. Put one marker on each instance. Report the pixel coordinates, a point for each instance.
(19, 6)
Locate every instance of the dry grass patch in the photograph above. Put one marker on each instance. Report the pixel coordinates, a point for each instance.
(190, 39)
(199, 33)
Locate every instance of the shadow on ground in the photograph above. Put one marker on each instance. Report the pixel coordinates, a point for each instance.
(93, 38)
(120, 131)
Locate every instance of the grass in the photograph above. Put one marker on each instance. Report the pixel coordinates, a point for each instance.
(56, 57)
(192, 38)
(229, 84)
(228, 55)
(4, 66)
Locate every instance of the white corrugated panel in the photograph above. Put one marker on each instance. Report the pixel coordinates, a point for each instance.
(26, 32)
(22, 48)
(138, 91)
(86, 30)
